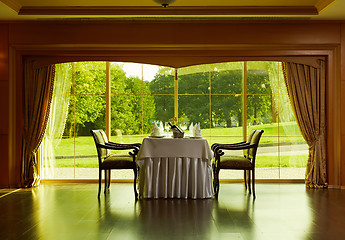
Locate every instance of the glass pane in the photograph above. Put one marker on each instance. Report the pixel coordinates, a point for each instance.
(83, 158)
(85, 161)
(268, 108)
(124, 120)
(76, 155)
(258, 81)
(293, 160)
(162, 90)
(227, 82)
(164, 107)
(142, 71)
(89, 78)
(259, 109)
(210, 94)
(217, 67)
(226, 114)
(267, 158)
(149, 114)
(163, 81)
(194, 83)
(195, 109)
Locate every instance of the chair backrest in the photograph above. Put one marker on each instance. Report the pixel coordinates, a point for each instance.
(250, 136)
(255, 140)
(100, 137)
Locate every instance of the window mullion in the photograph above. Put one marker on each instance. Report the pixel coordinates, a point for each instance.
(176, 94)
(108, 101)
(244, 101)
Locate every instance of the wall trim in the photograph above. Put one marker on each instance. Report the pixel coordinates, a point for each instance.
(172, 10)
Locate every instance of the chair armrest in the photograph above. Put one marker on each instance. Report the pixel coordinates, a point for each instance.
(214, 145)
(123, 145)
(230, 144)
(132, 144)
(234, 146)
(118, 146)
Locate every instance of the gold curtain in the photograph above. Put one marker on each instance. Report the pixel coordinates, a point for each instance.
(306, 88)
(38, 90)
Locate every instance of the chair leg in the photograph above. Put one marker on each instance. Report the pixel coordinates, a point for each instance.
(249, 188)
(216, 182)
(135, 169)
(253, 183)
(99, 181)
(109, 178)
(214, 178)
(105, 180)
(245, 178)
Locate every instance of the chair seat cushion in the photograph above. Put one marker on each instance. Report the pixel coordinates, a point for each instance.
(117, 161)
(235, 162)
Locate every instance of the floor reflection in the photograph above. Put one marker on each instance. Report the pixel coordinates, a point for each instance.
(176, 218)
(328, 214)
(72, 211)
(117, 218)
(233, 217)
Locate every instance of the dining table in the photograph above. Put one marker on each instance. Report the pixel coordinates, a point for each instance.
(175, 168)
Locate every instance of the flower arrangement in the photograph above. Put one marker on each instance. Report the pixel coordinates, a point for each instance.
(176, 120)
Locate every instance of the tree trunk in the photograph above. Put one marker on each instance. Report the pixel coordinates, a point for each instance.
(228, 122)
(239, 117)
(274, 112)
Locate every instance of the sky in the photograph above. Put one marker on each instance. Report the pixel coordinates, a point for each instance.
(135, 69)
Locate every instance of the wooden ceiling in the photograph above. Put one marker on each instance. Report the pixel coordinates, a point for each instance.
(181, 9)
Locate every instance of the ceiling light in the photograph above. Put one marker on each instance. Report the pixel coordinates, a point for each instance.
(164, 3)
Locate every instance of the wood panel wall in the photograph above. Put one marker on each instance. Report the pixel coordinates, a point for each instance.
(174, 33)
(177, 40)
(342, 107)
(4, 106)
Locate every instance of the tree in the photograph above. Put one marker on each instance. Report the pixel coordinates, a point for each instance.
(142, 104)
(259, 103)
(87, 105)
(87, 102)
(224, 83)
(121, 107)
(132, 106)
(195, 85)
(227, 96)
(194, 97)
(162, 88)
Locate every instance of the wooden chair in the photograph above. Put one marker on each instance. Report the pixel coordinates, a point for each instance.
(245, 162)
(108, 161)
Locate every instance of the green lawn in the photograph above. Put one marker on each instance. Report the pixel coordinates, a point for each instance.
(78, 163)
(296, 161)
(84, 145)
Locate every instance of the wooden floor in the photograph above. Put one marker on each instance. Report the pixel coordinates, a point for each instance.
(72, 211)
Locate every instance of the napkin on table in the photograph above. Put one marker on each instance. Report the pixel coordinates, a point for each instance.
(197, 130)
(191, 129)
(155, 130)
(161, 127)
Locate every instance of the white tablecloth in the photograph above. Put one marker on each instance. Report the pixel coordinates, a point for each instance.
(175, 168)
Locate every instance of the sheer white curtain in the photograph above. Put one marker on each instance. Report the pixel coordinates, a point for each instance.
(57, 117)
(280, 96)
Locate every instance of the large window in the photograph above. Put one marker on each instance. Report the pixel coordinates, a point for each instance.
(227, 99)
